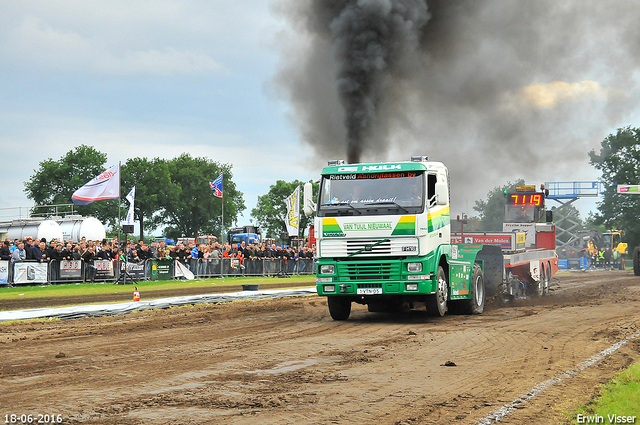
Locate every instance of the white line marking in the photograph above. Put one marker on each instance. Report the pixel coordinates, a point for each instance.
(510, 407)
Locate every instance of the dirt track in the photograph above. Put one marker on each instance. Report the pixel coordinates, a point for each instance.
(286, 361)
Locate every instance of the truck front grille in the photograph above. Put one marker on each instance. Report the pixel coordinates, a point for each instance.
(367, 247)
(369, 271)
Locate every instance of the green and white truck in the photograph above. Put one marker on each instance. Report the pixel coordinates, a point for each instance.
(384, 239)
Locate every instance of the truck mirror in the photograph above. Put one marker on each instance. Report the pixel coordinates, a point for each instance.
(442, 193)
(549, 216)
(308, 203)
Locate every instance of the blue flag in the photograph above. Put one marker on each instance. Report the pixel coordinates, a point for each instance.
(216, 186)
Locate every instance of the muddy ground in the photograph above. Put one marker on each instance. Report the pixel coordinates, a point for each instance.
(285, 361)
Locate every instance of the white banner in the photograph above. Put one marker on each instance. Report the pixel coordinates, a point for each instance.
(4, 272)
(103, 186)
(70, 269)
(180, 270)
(131, 196)
(29, 272)
(293, 212)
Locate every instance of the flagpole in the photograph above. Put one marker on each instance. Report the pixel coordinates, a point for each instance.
(119, 214)
(222, 227)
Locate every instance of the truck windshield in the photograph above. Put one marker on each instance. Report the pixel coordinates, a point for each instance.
(372, 194)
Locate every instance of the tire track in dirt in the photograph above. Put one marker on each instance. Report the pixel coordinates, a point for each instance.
(286, 361)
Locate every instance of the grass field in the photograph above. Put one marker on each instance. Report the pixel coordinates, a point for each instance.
(617, 402)
(69, 290)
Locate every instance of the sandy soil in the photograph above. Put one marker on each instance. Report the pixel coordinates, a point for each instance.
(285, 361)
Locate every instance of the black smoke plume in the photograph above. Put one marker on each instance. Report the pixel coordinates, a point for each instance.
(496, 90)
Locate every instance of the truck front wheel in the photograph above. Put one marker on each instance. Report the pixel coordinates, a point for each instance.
(437, 303)
(339, 307)
(636, 261)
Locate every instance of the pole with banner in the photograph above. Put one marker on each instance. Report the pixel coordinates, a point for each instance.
(216, 186)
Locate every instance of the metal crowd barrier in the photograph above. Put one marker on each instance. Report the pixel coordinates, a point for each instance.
(224, 267)
(77, 271)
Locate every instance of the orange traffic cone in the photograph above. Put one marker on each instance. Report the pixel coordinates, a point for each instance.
(136, 295)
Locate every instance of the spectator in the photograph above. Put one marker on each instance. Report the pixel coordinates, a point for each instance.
(16, 242)
(153, 247)
(55, 256)
(76, 253)
(144, 252)
(87, 257)
(192, 256)
(607, 257)
(181, 254)
(28, 248)
(36, 252)
(5, 252)
(19, 254)
(106, 252)
(67, 252)
(133, 256)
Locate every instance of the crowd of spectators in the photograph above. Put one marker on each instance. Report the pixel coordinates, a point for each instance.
(243, 257)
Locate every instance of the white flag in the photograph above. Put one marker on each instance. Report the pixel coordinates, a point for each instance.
(181, 270)
(101, 187)
(131, 196)
(293, 212)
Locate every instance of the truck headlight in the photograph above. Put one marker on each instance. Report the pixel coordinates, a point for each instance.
(329, 288)
(414, 267)
(327, 269)
(412, 286)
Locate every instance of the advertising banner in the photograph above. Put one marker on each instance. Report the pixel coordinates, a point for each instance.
(631, 189)
(4, 272)
(160, 270)
(293, 212)
(135, 270)
(70, 269)
(104, 268)
(30, 272)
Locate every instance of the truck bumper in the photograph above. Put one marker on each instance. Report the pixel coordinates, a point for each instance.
(375, 278)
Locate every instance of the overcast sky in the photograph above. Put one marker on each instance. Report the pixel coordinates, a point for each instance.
(144, 79)
(159, 78)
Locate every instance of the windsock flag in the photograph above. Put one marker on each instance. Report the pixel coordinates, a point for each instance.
(216, 186)
(131, 196)
(103, 186)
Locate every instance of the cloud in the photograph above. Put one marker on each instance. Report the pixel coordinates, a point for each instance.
(38, 43)
(545, 96)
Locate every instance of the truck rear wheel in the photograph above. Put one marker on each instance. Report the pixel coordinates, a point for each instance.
(437, 303)
(636, 261)
(339, 307)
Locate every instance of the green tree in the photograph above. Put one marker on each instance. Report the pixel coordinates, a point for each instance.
(271, 210)
(54, 182)
(189, 207)
(152, 181)
(619, 162)
(491, 210)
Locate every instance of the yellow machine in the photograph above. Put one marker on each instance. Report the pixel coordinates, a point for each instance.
(612, 239)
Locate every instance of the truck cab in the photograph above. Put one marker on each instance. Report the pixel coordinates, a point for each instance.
(383, 237)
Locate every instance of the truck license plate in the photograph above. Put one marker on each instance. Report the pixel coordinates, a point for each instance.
(369, 291)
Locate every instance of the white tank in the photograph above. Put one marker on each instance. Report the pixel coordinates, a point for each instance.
(36, 229)
(77, 227)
